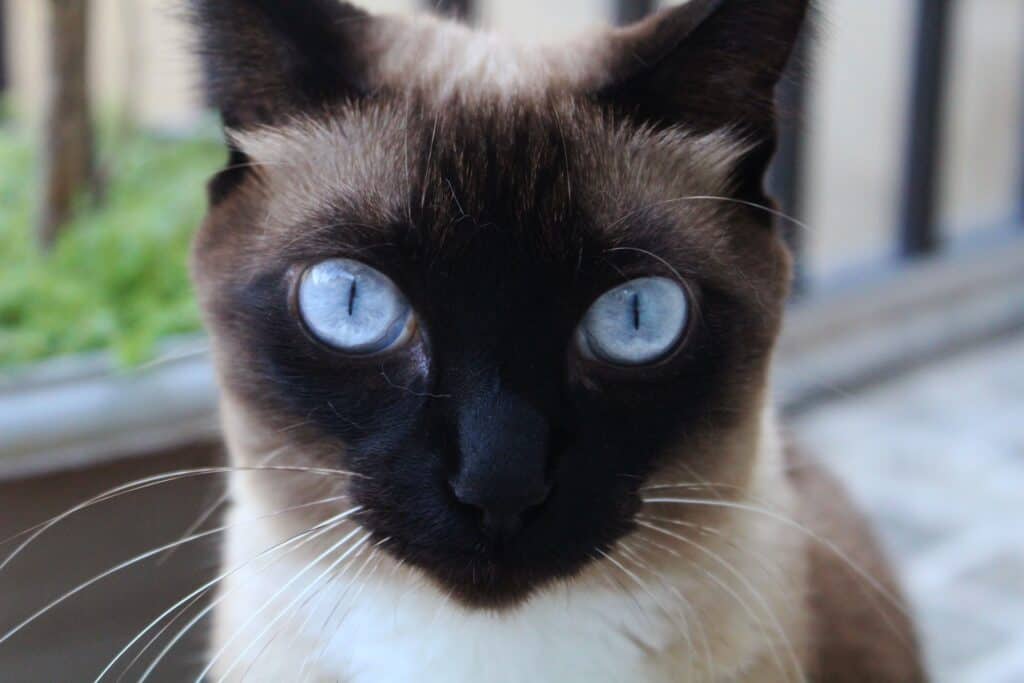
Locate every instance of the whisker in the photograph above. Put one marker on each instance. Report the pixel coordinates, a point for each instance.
(631, 575)
(272, 598)
(782, 519)
(689, 486)
(632, 556)
(730, 200)
(687, 605)
(208, 512)
(336, 576)
(299, 539)
(375, 553)
(717, 533)
(267, 627)
(139, 558)
(156, 636)
(615, 583)
(430, 157)
(148, 482)
(756, 594)
(660, 259)
(868, 594)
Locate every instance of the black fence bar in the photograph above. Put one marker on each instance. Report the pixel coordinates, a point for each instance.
(628, 11)
(1020, 157)
(919, 234)
(463, 9)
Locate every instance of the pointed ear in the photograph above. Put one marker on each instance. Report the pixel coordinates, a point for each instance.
(706, 64)
(266, 59)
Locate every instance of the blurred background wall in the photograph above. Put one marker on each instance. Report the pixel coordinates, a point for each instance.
(859, 88)
(903, 370)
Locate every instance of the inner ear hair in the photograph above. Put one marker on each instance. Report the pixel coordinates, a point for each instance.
(267, 60)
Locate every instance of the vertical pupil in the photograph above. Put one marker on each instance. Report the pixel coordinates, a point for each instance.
(635, 303)
(352, 290)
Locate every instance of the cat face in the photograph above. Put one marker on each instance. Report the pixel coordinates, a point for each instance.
(503, 289)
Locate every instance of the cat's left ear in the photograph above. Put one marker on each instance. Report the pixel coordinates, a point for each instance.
(267, 60)
(705, 65)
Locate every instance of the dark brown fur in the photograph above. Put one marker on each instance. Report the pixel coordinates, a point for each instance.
(858, 634)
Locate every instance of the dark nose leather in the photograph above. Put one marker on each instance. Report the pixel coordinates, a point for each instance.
(503, 458)
(501, 511)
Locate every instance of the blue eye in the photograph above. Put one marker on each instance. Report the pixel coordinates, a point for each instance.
(354, 308)
(637, 323)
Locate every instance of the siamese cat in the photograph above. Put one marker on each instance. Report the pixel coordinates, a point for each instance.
(493, 325)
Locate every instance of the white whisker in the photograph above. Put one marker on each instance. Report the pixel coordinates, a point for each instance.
(756, 594)
(299, 539)
(143, 556)
(210, 509)
(241, 655)
(630, 555)
(374, 554)
(687, 606)
(148, 482)
(729, 200)
(782, 519)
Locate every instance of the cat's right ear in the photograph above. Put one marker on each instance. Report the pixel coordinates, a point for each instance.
(267, 60)
(705, 64)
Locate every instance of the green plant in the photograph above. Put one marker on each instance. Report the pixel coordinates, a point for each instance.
(117, 278)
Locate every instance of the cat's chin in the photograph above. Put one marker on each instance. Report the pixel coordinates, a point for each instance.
(486, 586)
(493, 580)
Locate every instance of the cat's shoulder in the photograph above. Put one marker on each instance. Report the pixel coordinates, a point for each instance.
(860, 627)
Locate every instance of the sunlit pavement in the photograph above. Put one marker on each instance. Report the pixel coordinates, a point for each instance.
(936, 457)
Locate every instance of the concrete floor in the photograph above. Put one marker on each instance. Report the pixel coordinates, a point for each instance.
(937, 459)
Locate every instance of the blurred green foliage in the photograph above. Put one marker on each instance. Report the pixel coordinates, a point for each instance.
(117, 278)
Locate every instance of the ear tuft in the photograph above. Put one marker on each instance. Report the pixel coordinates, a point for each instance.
(265, 60)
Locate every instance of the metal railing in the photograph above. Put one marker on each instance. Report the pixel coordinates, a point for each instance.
(919, 232)
(464, 9)
(916, 232)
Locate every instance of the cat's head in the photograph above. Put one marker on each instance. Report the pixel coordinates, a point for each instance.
(506, 287)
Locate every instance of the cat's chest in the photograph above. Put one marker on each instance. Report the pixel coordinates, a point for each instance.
(382, 631)
(556, 639)
(368, 620)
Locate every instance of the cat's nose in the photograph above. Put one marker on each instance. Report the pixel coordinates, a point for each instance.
(502, 468)
(501, 508)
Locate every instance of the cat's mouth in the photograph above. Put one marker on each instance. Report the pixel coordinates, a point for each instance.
(499, 568)
(497, 576)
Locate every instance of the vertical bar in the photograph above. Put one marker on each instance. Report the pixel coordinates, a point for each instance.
(1020, 152)
(786, 176)
(460, 9)
(628, 11)
(919, 234)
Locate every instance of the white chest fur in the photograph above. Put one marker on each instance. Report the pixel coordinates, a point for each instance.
(376, 624)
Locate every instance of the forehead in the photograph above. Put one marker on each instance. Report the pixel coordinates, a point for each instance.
(547, 171)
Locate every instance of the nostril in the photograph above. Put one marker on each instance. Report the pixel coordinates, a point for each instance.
(501, 511)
